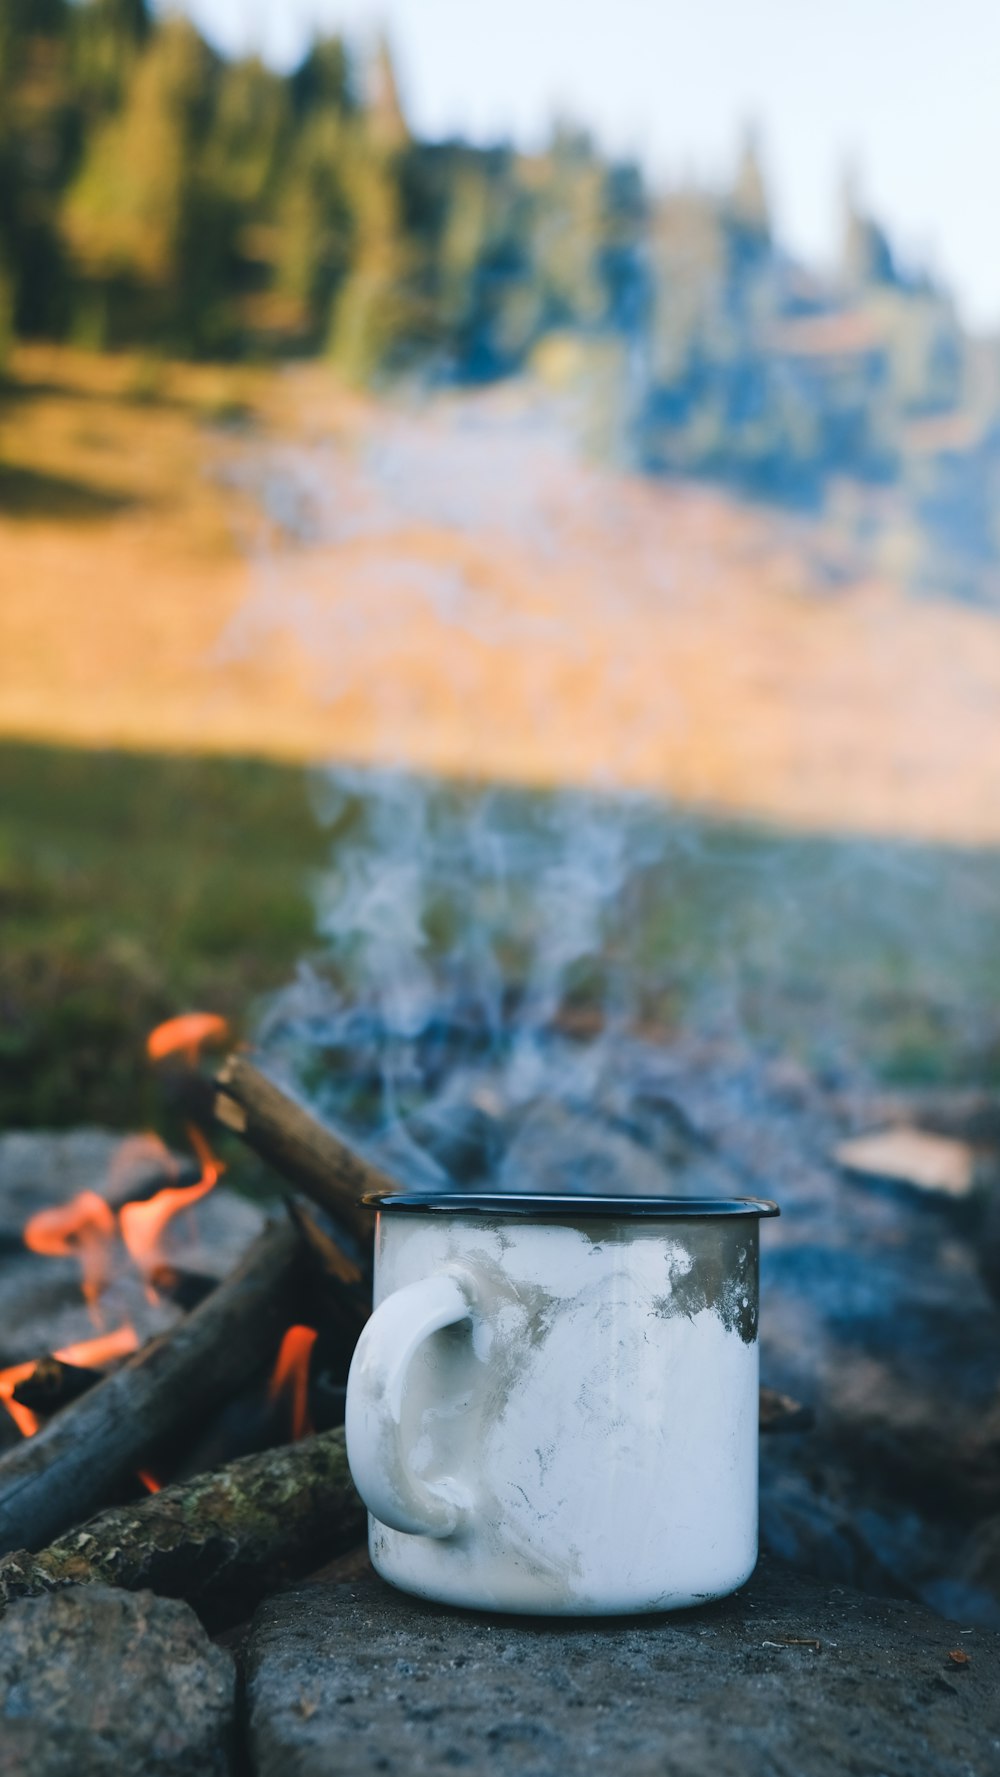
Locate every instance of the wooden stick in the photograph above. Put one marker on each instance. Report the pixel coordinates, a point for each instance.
(298, 1146)
(92, 1447)
(348, 1296)
(221, 1540)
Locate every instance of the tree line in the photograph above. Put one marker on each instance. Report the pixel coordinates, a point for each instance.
(156, 194)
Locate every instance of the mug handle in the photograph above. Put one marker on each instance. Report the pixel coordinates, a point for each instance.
(393, 1493)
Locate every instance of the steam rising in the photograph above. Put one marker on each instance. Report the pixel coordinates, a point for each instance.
(461, 925)
(590, 989)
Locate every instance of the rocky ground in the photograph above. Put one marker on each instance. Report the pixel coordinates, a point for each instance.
(345, 1675)
(879, 1312)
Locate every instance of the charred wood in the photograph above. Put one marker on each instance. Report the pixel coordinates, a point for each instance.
(221, 1540)
(186, 1289)
(298, 1146)
(348, 1302)
(93, 1446)
(53, 1384)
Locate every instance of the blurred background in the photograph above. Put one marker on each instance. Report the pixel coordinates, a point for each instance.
(540, 398)
(500, 602)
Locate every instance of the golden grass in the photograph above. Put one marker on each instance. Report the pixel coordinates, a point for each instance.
(588, 628)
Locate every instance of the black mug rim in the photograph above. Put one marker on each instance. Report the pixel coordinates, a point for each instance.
(524, 1206)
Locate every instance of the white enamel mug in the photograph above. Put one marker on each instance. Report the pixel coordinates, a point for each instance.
(554, 1407)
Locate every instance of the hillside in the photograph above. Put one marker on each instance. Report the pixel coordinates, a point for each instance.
(258, 562)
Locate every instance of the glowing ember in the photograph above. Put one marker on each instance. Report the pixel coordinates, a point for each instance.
(87, 1351)
(85, 1228)
(151, 1484)
(186, 1035)
(290, 1380)
(142, 1224)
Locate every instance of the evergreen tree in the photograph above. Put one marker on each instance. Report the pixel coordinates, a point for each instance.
(106, 38)
(39, 135)
(324, 80)
(376, 308)
(567, 231)
(146, 229)
(369, 320)
(313, 230)
(749, 205)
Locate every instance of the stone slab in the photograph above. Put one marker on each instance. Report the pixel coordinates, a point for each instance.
(788, 1677)
(96, 1682)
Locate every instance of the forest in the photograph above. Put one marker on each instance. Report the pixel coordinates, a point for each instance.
(157, 197)
(154, 194)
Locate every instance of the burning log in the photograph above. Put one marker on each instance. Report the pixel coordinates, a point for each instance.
(298, 1146)
(54, 1383)
(349, 1298)
(185, 1289)
(93, 1446)
(222, 1540)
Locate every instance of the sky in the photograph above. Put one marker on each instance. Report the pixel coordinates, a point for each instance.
(903, 92)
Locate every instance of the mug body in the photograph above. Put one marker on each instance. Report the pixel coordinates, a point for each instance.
(595, 1414)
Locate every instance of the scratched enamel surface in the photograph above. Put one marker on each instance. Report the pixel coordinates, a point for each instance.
(591, 1425)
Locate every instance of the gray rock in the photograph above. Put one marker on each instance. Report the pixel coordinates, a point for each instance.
(96, 1682)
(351, 1676)
(40, 1167)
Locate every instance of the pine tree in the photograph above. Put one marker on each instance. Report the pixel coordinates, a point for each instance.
(386, 122)
(749, 205)
(106, 37)
(313, 229)
(146, 229)
(38, 144)
(369, 320)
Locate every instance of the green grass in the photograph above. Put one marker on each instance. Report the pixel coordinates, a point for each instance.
(132, 888)
(844, 954)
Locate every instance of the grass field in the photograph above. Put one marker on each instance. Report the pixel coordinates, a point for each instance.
(134, 887)
(199, 567)
(448, 584)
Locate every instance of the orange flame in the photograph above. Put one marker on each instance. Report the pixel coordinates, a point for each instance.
(151, 1484)
(186, 1035)
(84, 1227)
(291, 1377)
(87, 1351)
(25, 1420)
(142, 1224)
(102, 1349)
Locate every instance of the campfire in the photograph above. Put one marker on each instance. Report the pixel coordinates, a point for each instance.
(203, 1368)
(118, 1241)
(248, 1369)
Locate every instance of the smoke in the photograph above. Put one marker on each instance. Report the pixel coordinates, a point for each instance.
(461, 924)
(561, 980)
(471, 605)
